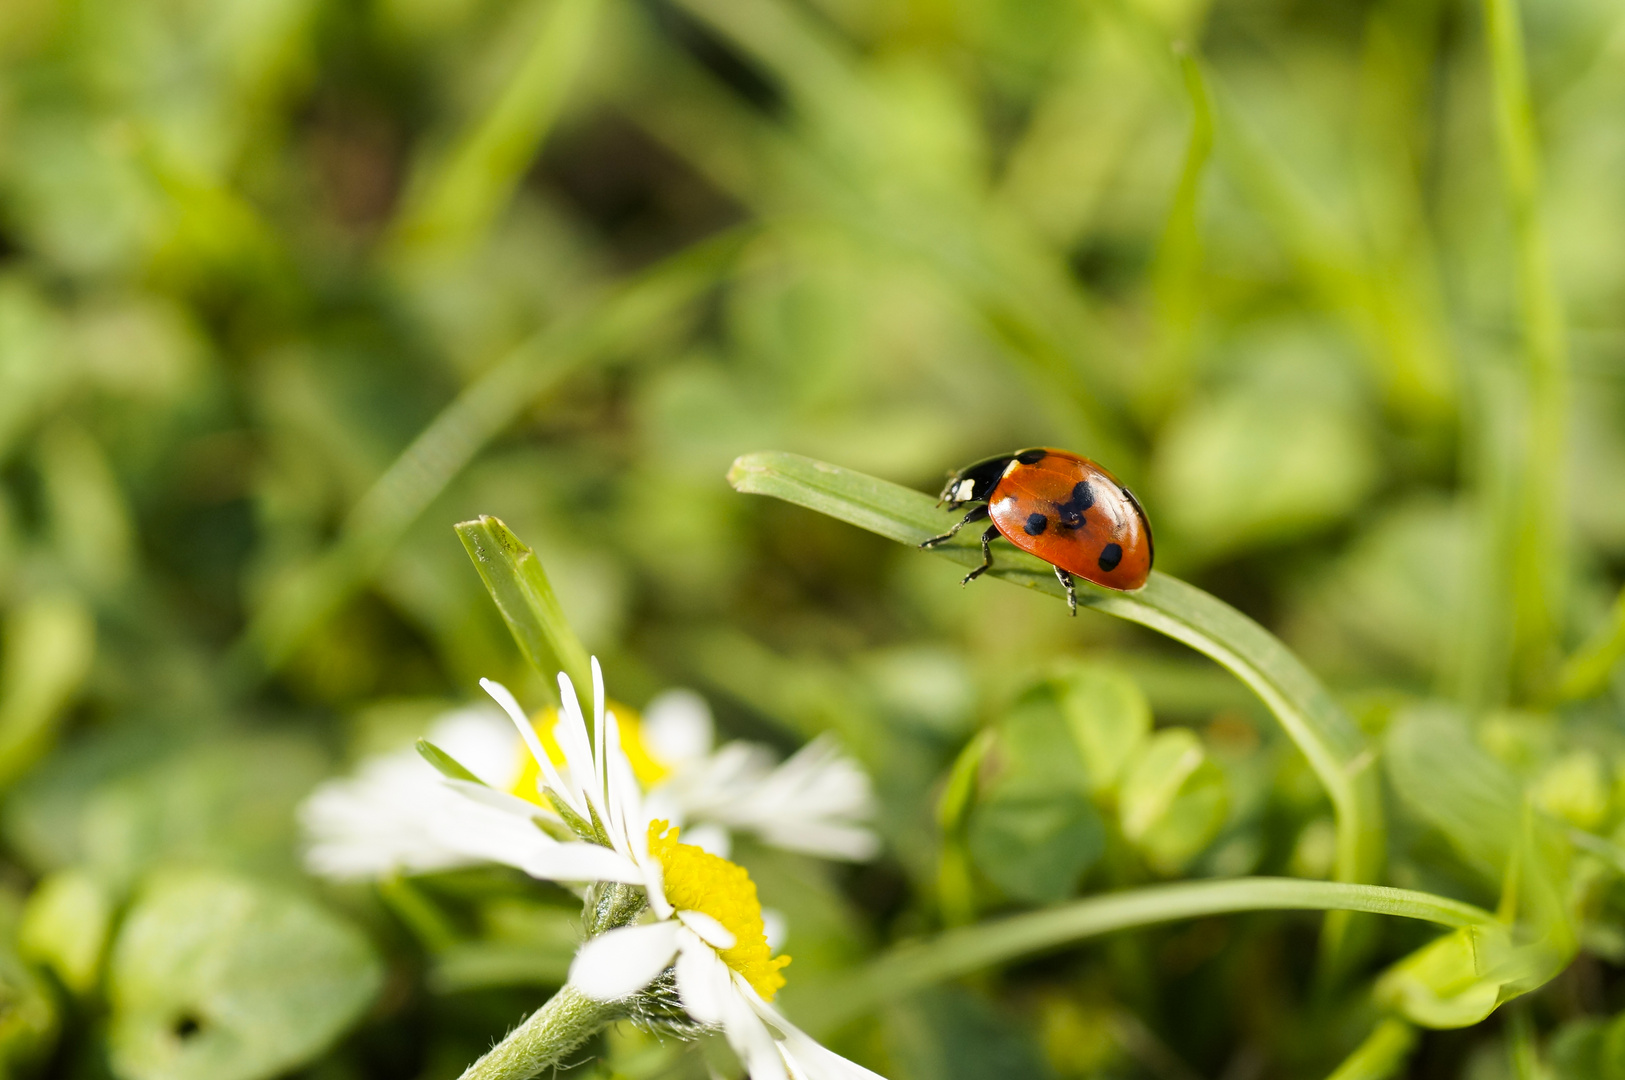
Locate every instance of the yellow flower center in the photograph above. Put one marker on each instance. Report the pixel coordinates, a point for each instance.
(696, 880)
(646, 767)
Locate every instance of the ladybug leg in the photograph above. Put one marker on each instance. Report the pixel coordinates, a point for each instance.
(978, 514)
(1071, 594)
(987, 555)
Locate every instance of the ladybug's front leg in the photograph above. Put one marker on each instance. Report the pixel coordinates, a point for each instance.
(988, 537)
(1071, 594)
(978, 514)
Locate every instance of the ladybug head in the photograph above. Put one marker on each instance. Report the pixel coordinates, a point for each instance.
(974, 483)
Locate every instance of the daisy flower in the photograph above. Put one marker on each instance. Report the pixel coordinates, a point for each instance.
(697, 926)
(714, 942)
(395, 814)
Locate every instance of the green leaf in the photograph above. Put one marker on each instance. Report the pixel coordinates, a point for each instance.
(519, 585)
(1449, 781)
(49, 643)
(64, 926)
(1439, 986)
(1174, 799)
(1035, 844)
(1333, 744)
(1033, 831)
(1109, 717)
(117, 805)
(29, 1015)
(1459, 979)
(1250, 466)
(215, 977)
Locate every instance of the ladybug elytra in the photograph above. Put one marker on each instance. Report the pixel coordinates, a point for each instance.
(1061, 507)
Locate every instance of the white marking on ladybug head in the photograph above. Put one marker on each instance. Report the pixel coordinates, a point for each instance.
(965, 491)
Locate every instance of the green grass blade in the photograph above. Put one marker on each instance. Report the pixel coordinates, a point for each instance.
(1538, 566)
(1176, 273)
(444, 763)
(443, 449)
(1586, 673)
(969, 949)
(519, 585)
(1383, 1053)
(1335, 747)
(456, 200)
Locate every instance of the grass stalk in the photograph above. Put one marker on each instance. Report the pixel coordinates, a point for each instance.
(967, 949)
(1539, 528)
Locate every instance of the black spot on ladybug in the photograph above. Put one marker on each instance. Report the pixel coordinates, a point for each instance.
(1110, 556)
(1036, 524)
(1032, 457)
(1071, 512)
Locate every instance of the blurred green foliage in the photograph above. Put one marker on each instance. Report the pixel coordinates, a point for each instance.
(287, 287)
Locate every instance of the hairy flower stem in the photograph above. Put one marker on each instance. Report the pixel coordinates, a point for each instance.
(543, 1041)
(609, 906)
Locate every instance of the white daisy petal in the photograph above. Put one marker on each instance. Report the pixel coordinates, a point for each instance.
(481, 739)
(510, 705)
(709, 837)
(582, 862)
(527, 731)
(677, 727)
(709, 930)
(497, 800)
(750, 1038)
(775, 927)
(599, 710)
(702, 980)
(571, 734)
(807, 1058)
(828, 839)
(624, 961)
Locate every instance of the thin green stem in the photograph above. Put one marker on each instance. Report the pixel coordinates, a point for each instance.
(1381, 1055)
(1539, 552)
(968, 949)
(543, 1041)
(1522, 1052)
(1586, 673)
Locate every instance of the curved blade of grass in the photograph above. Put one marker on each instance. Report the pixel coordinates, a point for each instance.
(1335, 747)
(453, 438)
(969, 949)
(519, 585)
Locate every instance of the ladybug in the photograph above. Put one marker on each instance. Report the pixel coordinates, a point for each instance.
(1061, 507)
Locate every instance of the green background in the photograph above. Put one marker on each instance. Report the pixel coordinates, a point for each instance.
(288, 287)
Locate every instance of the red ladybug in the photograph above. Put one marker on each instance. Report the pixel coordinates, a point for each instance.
(1061, 507)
